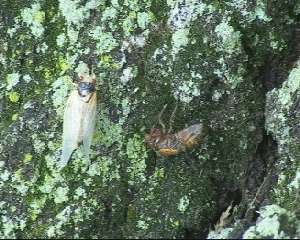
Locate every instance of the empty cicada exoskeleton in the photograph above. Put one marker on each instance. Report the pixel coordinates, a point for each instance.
(79, 117)
(170, 144)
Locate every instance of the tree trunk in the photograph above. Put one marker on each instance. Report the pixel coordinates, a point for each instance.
(231, 65)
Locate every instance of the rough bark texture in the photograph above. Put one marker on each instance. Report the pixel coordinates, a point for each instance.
(229, 64)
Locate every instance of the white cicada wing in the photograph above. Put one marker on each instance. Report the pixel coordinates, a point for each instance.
(88, 125)
(72, 131)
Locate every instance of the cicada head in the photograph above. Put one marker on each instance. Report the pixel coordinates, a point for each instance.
(154, 137)
(86, 90)
(86, 87)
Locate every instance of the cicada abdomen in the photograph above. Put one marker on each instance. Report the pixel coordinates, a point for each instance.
(79, 118)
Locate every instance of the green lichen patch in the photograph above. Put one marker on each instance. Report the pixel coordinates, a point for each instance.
(136, 154)
(281, 122)
(14, 97)
(34, 18)
(274, 222)
(12, 80)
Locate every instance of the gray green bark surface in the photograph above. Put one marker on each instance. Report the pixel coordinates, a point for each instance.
(230, 64)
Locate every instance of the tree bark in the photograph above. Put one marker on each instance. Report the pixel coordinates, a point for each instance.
(231, 65)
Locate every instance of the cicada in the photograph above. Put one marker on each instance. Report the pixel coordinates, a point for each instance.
(170, 144)
(79, 117)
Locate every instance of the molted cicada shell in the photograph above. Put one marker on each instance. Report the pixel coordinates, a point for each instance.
(79, 118)
(170, 144)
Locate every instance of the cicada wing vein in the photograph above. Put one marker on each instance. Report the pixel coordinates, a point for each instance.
(89, 122)
(191, 135)
(71, 126)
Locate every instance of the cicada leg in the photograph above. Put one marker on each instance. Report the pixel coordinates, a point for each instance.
(172, 118)
(159, 118)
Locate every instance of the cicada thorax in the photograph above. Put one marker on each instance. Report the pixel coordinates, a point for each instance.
(170, 146)
(164, 143)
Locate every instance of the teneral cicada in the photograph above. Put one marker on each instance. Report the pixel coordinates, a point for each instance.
(79, 117)
(170, 144)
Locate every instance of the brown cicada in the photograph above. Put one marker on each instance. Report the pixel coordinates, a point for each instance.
(79, 117)
(169, 144)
